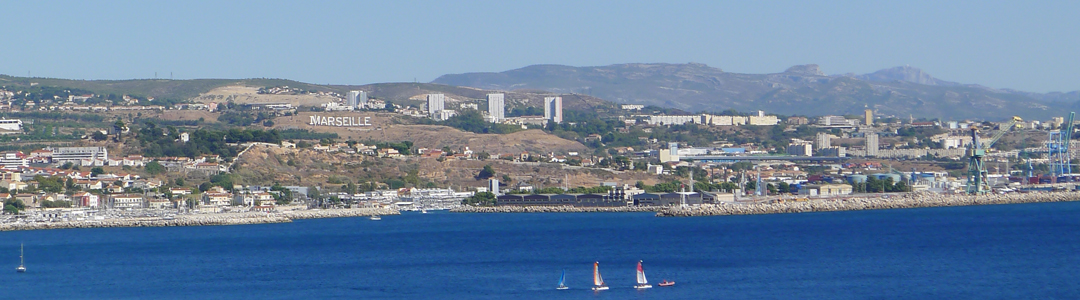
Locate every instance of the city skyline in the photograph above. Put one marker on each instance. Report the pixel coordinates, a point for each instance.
(995, 44)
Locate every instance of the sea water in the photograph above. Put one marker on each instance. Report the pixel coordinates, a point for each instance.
(998, 251)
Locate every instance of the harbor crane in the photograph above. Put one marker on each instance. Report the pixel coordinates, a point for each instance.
(977, 183)
(1058, 148)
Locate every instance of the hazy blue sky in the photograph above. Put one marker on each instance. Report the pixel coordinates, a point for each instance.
(1026, 45)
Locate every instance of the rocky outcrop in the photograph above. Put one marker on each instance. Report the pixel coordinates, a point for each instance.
(911, 200)
(808, 70)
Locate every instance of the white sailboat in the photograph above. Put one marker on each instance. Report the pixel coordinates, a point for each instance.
(22, 267)
(598, 281)
(562, 281)
(642, 283)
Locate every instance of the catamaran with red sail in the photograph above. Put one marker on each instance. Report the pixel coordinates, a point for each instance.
(642, 283)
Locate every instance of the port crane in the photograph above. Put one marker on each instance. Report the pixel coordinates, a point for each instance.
(1058, 148)
(977, 183)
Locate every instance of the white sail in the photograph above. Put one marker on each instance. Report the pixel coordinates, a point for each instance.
(641, 274)
(597, 280)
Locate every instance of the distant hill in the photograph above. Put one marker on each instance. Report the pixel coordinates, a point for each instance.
(800, 90)
(191, 88)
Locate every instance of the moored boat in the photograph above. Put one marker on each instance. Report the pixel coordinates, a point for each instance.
(376, 218)
(598, 282)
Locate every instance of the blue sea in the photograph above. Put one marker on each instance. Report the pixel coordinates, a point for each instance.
(1029, 251)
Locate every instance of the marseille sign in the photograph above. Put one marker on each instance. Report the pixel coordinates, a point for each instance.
(340, 121)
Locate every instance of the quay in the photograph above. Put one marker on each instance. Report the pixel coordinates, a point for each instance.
(892, 201)
(204, 219)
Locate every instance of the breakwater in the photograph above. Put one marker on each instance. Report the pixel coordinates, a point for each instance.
(338, 213)
(909, 200)
(551, 209)
(210, 219)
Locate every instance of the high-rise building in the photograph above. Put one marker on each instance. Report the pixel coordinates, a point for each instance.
(871, 144)
(356, 99)
(869, 117)
(553, 109)
(435, 103)
(493, 186)
(822, 141)
(496, 107)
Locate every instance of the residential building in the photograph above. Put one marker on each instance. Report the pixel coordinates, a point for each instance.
(496, 107)
(356, 99)
(435, 103)
(82, 156)
(553, 109)
(126, 201)
(11, 124)
(869, 117)
(871, 144)
(493, 186)
(800, 149)
(822, 140)
(217, 198)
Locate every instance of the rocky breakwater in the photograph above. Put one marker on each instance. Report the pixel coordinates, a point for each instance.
(550, 209)
(909, 200)
(181, 220)
(338, 213)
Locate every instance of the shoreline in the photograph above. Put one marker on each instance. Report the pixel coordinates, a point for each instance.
(910, 200)
(210, 219)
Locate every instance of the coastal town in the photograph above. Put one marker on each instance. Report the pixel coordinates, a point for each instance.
(646, 161)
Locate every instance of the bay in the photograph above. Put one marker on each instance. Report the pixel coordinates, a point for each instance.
(996, 251)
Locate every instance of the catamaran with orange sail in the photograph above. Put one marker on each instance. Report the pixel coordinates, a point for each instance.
(598, 282)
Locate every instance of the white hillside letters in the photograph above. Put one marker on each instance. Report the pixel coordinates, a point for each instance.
(317, 120)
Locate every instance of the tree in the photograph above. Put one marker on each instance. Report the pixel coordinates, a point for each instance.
(98, 136)
(771, 188)
(482, 199)
(205, 186)
(154, 168)
(783, 187)
(486, 173)
(179, 182)
(483, 156)
(95, 171)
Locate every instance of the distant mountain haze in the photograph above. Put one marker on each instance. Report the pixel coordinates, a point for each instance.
(800, 90)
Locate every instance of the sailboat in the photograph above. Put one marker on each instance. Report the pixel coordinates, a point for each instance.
(562, 281)
(22, 267)
(597, 280)
(642, 283)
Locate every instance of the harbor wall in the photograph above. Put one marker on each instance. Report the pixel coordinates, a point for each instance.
(213, 219)
(894, 201)
(550, 209)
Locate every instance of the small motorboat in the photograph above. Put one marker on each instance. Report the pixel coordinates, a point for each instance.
(666, 283)
(376, 218)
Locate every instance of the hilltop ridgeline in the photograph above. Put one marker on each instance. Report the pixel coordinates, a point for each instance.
(800, 90)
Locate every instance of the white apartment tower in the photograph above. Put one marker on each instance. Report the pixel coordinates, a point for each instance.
(553, 109)
(435, 103)
(496, 107)
(822, 141)
(871, 144)
(356, 99)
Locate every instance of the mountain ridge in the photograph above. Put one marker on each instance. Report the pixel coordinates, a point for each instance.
(799, 90)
